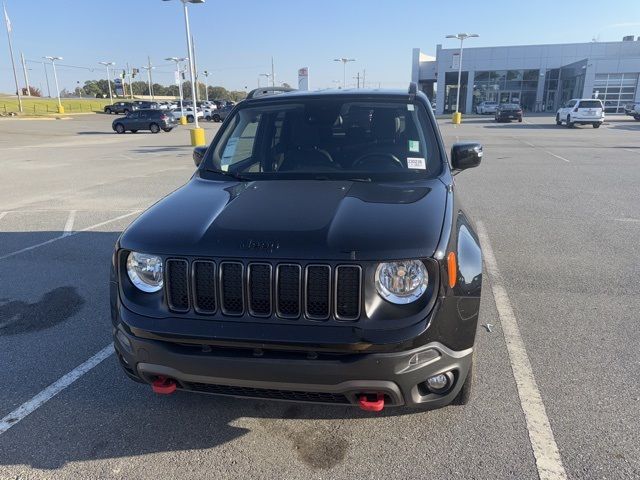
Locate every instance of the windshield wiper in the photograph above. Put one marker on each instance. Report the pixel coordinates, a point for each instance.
(354, 179)
(235, 176)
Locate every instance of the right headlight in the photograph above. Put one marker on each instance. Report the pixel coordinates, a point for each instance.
(145, 271)
(401, 282)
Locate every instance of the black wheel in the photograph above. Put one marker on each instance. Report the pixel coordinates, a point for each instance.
(596, 125)
(558, 121)
(167, 129)
(154, 128)
(636, 118)
(464, 396)
(107, 111)
(208, 118)
(519, 120)
(216, 118)
(126, 111)
(134, 131)
(120, 128)
(570, 124)
(190, 118)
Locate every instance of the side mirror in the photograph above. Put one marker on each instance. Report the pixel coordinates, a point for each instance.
(465, 155)
(198, 155)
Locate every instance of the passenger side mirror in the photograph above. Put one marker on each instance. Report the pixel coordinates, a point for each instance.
(198, 155)
(465, 155)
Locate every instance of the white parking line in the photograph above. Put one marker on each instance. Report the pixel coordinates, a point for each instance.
(557, 156)
(52, 390)
(52, 240)
(545, 449)
(68, 227)
(631, 220)
(529, 143)
(630, 150)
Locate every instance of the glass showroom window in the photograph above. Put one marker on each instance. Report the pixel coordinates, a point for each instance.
(615, 90)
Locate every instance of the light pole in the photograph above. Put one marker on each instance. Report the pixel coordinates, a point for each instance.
(268, 75)
(344, 68)
(457, 116)
(197, 133)
(55, 76)
(107, 65)
(183, 120)
(206, 84)
(148, 69)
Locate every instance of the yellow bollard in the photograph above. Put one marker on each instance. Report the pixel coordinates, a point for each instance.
(457, 118)
(197, 137)
(60, 109)
(183, 120)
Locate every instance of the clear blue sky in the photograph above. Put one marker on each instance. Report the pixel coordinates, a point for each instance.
(236, 39)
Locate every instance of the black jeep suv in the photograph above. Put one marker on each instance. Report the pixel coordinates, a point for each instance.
(319, 253)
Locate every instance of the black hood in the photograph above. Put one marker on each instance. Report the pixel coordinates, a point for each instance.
(294, 219)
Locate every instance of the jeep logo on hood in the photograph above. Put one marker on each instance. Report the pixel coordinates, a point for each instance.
(268, 246)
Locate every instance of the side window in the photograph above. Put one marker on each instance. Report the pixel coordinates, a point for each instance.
(239, 145)
(571, 104)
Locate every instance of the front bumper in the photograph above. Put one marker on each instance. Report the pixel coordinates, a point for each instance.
(296, 376)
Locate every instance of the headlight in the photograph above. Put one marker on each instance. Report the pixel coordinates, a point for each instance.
(145, 271)
(402, 282)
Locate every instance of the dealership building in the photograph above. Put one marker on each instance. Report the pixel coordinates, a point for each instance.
(539, 77)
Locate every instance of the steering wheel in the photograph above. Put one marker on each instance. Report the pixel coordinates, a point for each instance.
(390, 160)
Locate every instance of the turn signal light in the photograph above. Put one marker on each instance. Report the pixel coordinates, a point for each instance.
(452, 269)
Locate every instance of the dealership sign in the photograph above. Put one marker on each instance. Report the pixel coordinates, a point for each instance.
(303, 78)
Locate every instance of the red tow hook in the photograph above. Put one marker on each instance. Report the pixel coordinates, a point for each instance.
(163, 386)
(371, 405)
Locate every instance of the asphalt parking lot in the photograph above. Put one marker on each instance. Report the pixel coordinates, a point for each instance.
(558, 208)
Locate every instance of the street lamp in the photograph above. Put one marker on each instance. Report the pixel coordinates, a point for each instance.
(344, 68)
(55, 76)
(107, 65)
(183, 120)
(462, 37)
(268, 75)
(197, 133)
(206, 84)
(148, 69)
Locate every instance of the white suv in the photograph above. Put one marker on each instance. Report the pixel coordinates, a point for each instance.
(581, 110)
(486, 107)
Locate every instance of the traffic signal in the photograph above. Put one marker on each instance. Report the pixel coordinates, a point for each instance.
(135, 72)
(123, 74)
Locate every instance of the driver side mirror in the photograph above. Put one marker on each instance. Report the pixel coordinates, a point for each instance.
(465, 155)
(198, 155)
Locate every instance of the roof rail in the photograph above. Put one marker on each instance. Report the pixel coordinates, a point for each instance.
(413, 90)
(261, 92)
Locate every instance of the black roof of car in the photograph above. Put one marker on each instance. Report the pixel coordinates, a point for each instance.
(348, 92)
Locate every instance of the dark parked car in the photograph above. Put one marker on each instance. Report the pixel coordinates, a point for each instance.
(507, 112)
(120, 108)
(151, 119)
(318, 254)
(219, 114)
(146, 104)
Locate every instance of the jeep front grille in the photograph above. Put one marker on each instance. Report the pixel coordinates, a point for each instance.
(262, 289)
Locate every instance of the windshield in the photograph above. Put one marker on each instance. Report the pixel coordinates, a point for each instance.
(328, 139)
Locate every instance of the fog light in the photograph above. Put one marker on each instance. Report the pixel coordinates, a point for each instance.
(440, 383)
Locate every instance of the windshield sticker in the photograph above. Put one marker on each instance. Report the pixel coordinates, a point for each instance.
(414, 146)
(410, 107)
(416, 163)
(229, 152)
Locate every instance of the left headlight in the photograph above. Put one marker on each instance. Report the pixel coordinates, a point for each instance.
(402, 282)
(145, 271)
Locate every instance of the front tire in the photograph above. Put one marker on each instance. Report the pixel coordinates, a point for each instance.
(120, 128)
(216, 118)
(167, 129)
(570, 124)
(107, 111)
(154, 128)
(596, 125)
(190, 118)
(558, 121)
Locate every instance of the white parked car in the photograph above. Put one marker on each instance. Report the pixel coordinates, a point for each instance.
(188, 112)
(581, 110)
(486, 107)
(209, 105)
